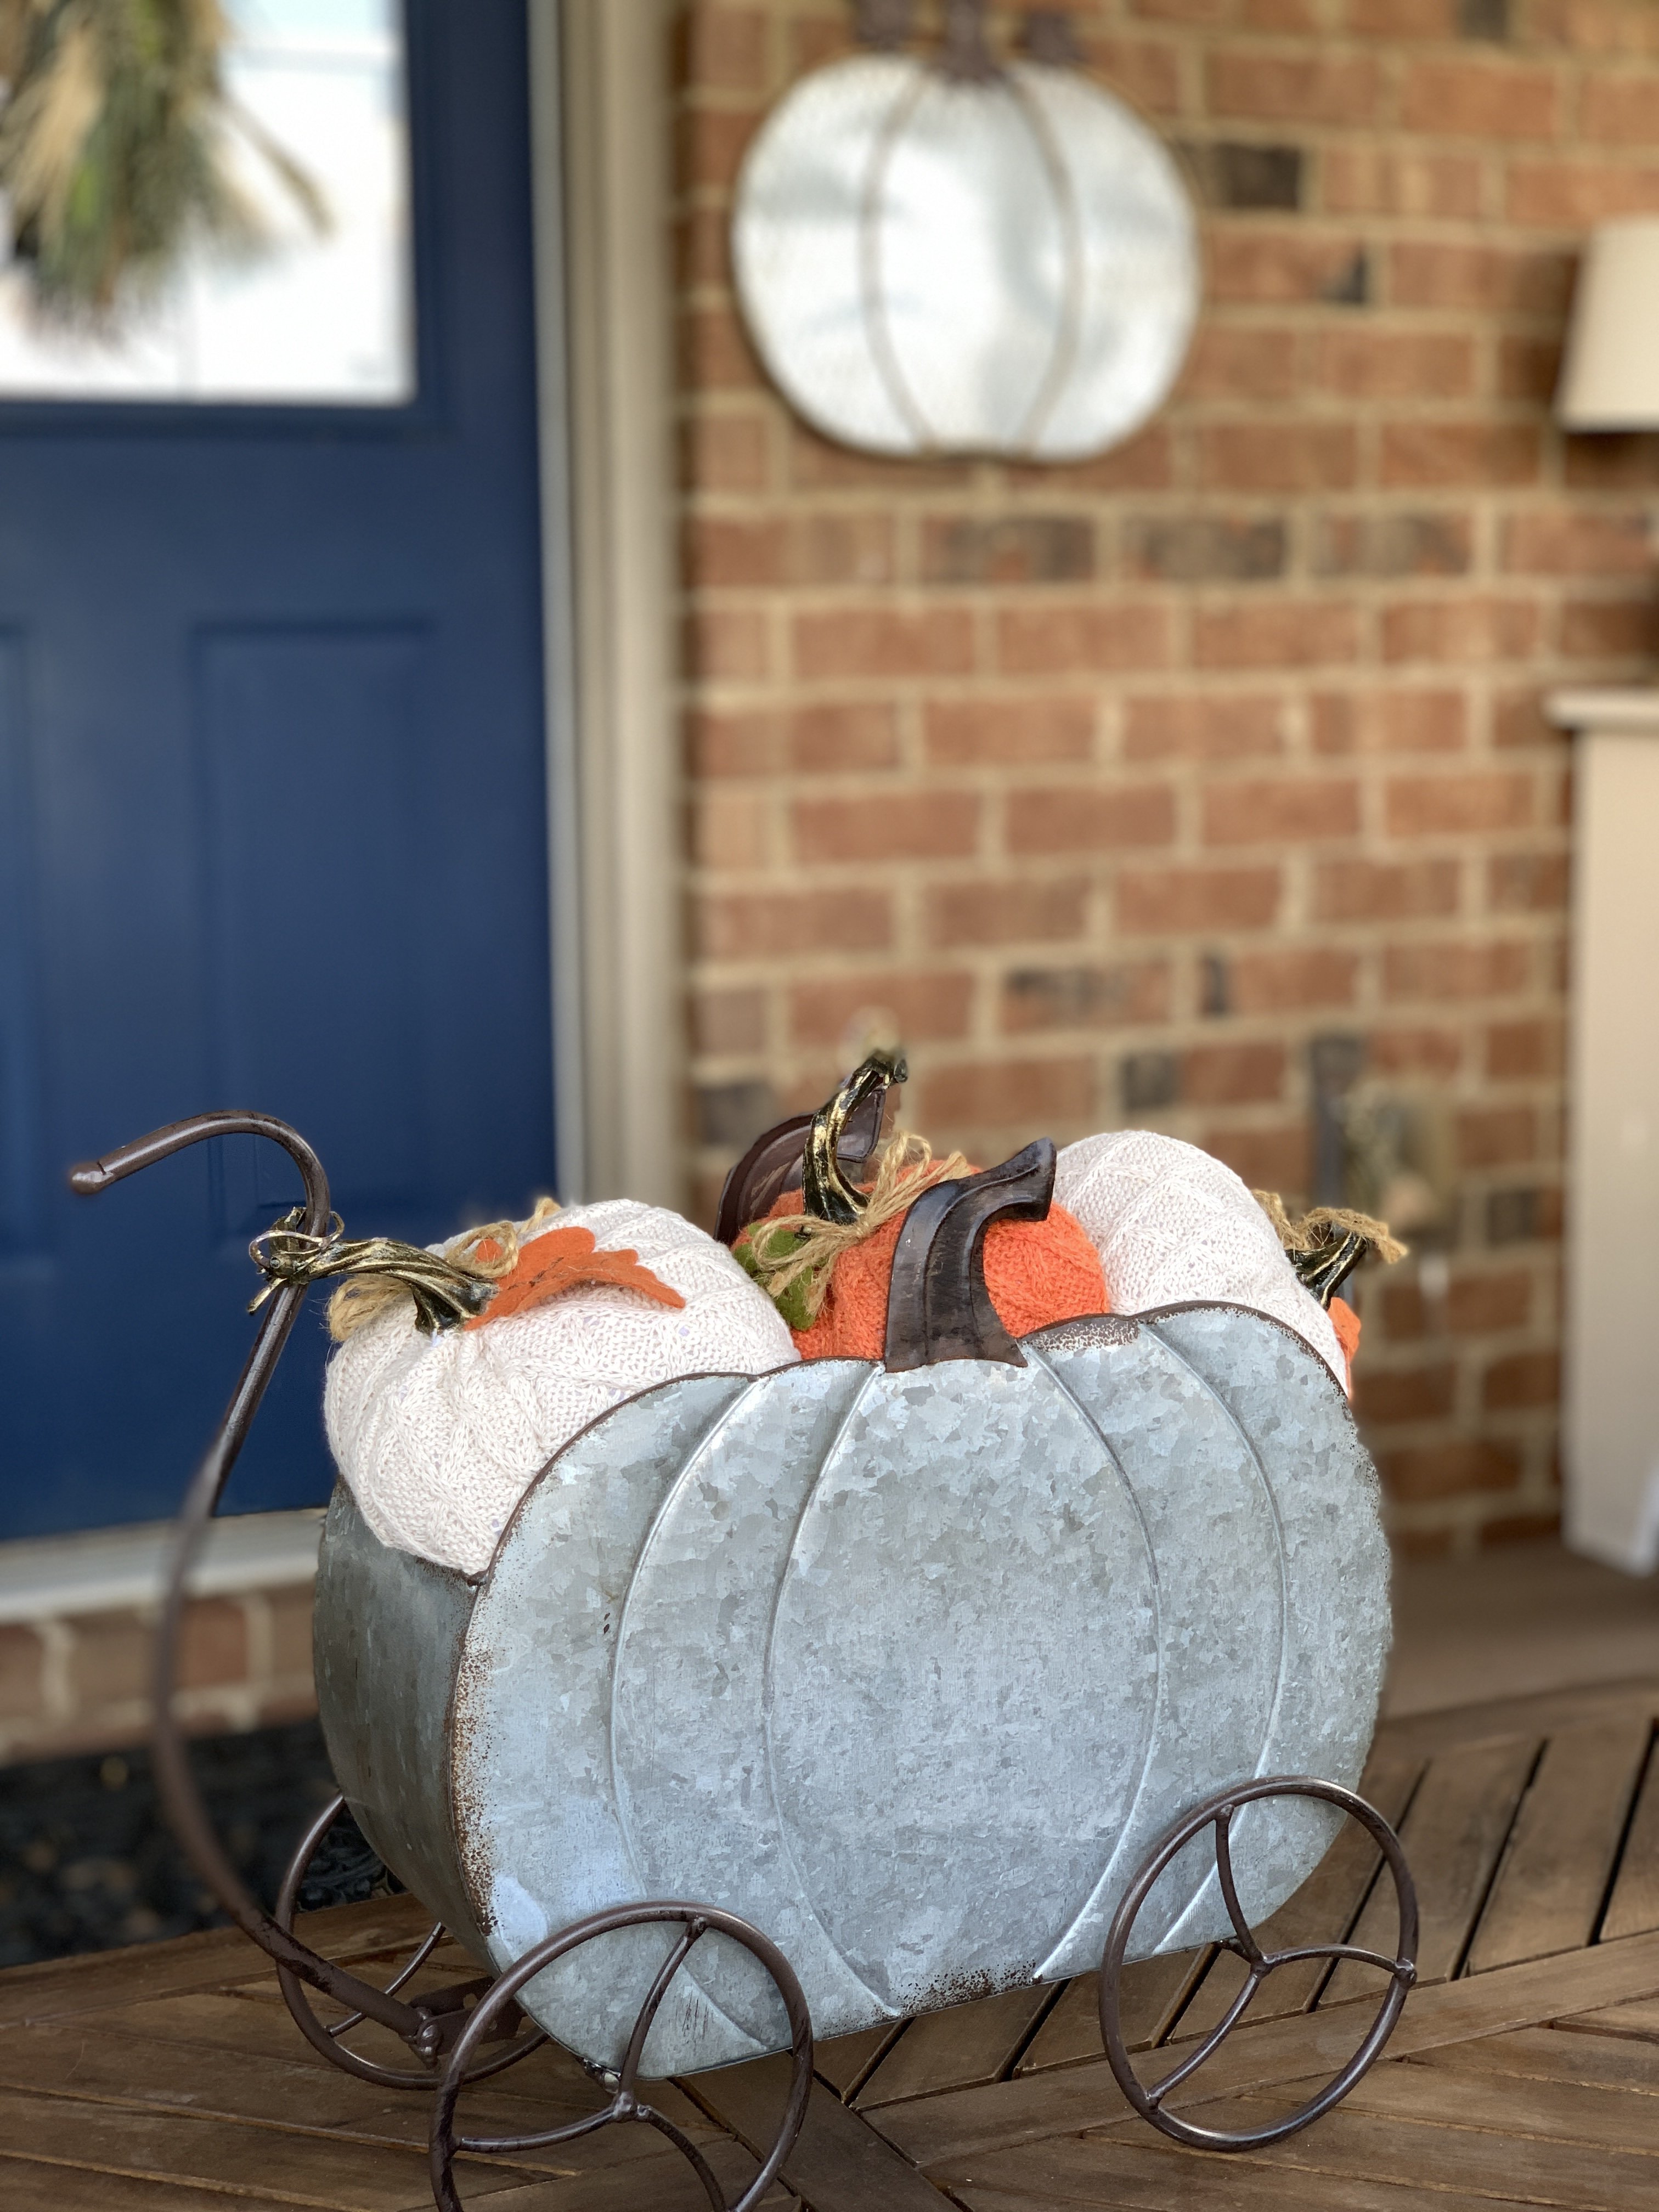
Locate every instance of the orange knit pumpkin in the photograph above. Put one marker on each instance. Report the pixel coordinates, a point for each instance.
(1037, 1272)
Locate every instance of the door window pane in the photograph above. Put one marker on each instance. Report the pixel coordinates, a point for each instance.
(315, 319)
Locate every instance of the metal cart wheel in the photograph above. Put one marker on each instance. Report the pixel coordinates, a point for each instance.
(446, 2008)
(1148, 2099)
(695, 1921)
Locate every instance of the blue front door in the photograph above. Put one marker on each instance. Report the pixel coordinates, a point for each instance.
(273, 833)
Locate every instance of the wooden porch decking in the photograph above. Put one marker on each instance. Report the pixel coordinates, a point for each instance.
(1525, 2070)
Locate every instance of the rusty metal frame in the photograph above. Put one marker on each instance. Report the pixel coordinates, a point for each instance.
(1217, 1812)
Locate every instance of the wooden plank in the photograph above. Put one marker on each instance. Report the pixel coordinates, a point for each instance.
(1145, 2174)
(63, 1987)
(1453, 1834)
(1534, 1714)
(1322, 1911)
(296, 2166)
(405, 2120)
(1601, 2116)
(666, 2183)
(1633, 1908)
(1517, 2169)
(840, 2164)
(653, 2176)
(674, 2189)
(113, 2063)
(1639, 2019)
(75, 2189)
(846, 2062)
(1154, 1991)
(1548, 1891)
(93, 2061)
(1296, 2049)
(951, 2050)
(209, 2024)
(1318, 2193)
(1544, 2054)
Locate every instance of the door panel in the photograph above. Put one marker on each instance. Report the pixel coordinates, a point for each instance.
(20, 1161)
(315, 936)
(272, 834)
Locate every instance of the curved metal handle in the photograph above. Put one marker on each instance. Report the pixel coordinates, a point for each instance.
(182, 1801)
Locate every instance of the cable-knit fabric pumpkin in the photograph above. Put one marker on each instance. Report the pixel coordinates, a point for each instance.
(440, 1436)
(1173, 1226)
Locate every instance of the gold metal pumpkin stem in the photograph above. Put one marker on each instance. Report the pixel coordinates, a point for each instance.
(825, 1191)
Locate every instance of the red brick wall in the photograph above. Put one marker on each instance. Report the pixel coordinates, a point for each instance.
(72, 1682)
(1126, 781)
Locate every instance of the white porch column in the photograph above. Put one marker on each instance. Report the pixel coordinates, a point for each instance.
(1610, 1439)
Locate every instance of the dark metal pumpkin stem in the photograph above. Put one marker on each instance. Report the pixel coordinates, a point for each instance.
(1049, 37)
(938, 1305)
(965, 54)
(884, 24)
(827, 1193)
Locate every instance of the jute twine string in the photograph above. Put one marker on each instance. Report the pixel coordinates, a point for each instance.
(800, 1249)
(1322, 1223)
(364, 1299)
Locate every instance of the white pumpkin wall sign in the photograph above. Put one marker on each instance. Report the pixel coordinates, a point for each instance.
(956, 254)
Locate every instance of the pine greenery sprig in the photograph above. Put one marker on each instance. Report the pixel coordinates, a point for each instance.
(114, 143)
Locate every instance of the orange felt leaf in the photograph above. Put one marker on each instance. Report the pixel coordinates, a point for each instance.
(1346, 1321)
(565, 1259)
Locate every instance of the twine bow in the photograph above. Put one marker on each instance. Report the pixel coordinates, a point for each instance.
(793, 1258)
(1328, 1242)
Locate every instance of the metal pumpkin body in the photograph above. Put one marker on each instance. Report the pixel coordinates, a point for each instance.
(908, 1666)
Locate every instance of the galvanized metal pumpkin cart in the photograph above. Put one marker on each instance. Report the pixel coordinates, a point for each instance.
(824, 1697)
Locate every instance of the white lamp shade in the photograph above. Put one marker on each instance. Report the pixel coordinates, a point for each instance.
(1610, 377)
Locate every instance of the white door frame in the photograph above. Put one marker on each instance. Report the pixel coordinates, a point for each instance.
(601, 118)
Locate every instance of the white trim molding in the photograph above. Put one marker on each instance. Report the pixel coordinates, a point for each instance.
(101, 1570)
(602, 122)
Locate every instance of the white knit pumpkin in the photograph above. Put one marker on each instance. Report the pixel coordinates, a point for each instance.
(440, 1436)
(1173, 1225)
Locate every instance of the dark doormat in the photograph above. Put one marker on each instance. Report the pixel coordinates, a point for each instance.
(86, 1861)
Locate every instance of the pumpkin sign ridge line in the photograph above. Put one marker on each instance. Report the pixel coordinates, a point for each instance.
(1268, 1758)
(768, 1682)
(1280, 1542)
(1068, 333)
(1155, 1702)
(1211, 1882)
(1034, 1352)
(480, 1577)
(620, 1794)
(883, 351)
